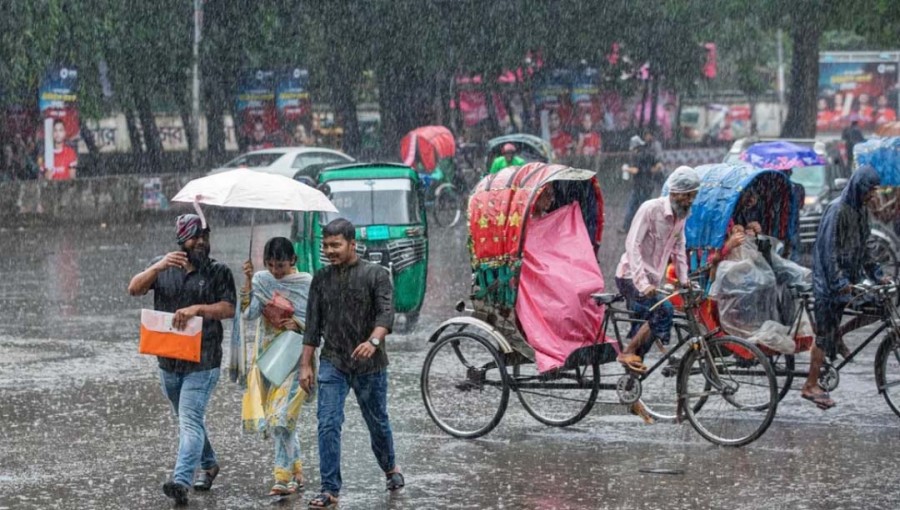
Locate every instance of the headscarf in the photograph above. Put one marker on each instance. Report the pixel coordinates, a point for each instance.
(188, 226)
(683, 180)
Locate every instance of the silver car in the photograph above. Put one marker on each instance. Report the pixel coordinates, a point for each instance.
(291, 162)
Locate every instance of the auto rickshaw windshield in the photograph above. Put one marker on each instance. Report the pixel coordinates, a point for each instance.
(374, 201)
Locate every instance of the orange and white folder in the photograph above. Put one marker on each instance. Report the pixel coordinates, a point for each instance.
(160, 338)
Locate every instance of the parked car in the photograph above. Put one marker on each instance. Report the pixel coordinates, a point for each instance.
(291, 162)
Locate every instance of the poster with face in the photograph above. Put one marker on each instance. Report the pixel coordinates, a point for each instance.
(863, 91)
(59, 130)
(257, 117)
(292, 101)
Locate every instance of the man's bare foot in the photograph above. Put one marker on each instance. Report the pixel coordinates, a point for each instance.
(820, 398)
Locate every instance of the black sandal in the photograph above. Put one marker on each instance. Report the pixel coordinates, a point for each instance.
(395, 481)
(323, 500)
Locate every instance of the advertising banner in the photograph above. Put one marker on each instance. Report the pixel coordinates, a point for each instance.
(864, 91)
(58, 106)
(257, 118)
(292, 95)
(292, 100)
(554, 89)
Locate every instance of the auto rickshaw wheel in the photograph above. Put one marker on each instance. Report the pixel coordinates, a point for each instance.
(464, 385)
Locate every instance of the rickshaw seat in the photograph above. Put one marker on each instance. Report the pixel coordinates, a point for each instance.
(607, 299)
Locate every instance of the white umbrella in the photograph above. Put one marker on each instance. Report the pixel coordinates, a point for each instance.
(249, 189)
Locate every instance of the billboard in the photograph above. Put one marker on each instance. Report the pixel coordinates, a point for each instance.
(858, 87)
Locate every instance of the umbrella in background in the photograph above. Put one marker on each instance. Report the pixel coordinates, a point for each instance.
(781, 156)
(248, 189)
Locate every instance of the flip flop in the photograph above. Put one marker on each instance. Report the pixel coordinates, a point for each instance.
(632, 362)
(821, 400)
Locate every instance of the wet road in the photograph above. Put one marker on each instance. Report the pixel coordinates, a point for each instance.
(83, 423)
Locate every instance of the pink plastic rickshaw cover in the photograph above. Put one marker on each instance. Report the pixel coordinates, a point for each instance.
(559, 273)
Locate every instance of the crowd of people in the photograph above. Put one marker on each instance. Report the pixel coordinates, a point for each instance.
(277, 301)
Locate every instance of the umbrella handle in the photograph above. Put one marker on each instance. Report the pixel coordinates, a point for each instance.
(252, 224)
(203, 223)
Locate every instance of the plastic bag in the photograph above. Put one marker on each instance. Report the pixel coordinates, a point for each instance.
(744, 292)
(790, 273)
(775, 336)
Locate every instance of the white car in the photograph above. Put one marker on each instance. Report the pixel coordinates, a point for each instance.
(291, 162)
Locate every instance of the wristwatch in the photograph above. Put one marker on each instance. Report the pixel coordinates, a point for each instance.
(375, 341)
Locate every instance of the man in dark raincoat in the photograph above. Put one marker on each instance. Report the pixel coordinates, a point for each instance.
(840, 259)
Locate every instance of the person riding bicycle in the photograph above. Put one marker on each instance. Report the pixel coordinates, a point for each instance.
(840, 259)
(507, 158)
(655, 236)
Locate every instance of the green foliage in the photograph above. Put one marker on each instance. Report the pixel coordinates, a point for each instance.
(411, 48)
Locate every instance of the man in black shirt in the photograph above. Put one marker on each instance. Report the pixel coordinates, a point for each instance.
(189, 284)
(351, 307)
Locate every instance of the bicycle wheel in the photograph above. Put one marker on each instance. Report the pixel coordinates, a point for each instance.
(659, 388)
(887, 371)
(464, 385)
(447, 206)
(783, 366)
(559, 398)
(730, 399)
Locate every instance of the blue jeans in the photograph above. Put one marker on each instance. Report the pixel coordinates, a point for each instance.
(659, 320)
(371, 395)
(189, 394)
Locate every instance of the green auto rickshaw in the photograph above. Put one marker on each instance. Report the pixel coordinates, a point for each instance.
(383, 201)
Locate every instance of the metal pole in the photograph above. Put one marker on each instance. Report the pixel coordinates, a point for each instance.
(780, 80)
(195, 85)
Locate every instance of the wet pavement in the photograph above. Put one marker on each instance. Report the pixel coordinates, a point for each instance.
(83, 423)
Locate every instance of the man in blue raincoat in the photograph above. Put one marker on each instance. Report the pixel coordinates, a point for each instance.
(840, 259)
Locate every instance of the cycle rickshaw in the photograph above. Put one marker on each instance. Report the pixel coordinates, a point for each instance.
(539, 321)
(712, 212)
(430, 150)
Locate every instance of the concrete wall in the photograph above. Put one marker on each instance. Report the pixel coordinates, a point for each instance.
(130, 198)
(112, 199)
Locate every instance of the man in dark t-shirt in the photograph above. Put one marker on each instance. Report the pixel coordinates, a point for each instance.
(645, 168)
(188, 283)
(350, 307)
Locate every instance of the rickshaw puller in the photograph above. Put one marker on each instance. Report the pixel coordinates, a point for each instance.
(840, 259)
(507, 158)
(656, 235)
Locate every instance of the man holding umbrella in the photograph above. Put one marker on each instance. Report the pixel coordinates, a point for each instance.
(189, 284)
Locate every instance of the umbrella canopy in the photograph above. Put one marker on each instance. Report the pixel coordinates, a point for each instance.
(249, 189)
(781, 156)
